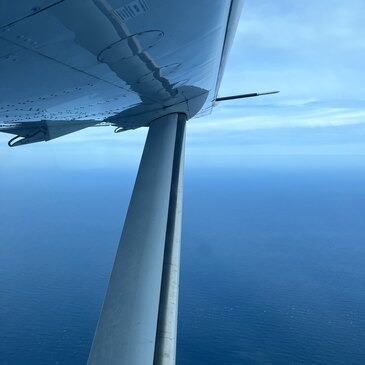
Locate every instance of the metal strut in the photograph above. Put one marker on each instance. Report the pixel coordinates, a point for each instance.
(138, 321)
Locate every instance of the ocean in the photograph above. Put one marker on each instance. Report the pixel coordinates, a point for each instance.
(272, 265)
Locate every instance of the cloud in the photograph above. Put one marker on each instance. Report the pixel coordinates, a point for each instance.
(305, 49)
(241, 118)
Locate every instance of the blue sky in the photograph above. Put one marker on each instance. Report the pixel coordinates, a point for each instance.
(312, 51)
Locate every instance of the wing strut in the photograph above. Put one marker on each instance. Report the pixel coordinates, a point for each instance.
(138, 321)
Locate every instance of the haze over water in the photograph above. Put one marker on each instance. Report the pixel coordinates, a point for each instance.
(272, 262)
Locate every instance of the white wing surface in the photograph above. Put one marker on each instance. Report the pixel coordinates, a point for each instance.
(124, 62)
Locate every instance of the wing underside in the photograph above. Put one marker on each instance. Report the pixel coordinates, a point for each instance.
(123, 63)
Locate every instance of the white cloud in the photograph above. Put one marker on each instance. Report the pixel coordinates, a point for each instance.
(283, 116)
(305, 49)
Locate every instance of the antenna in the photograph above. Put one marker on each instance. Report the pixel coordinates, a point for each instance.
(242, 96)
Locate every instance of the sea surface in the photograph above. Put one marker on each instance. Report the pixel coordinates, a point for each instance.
(272, 270)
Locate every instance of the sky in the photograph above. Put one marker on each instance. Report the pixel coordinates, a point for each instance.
(312, 51)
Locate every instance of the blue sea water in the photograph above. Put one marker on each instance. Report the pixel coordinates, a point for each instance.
(272, 270)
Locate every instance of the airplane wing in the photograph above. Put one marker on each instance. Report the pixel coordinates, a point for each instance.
(66, 65)
(70, 64)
